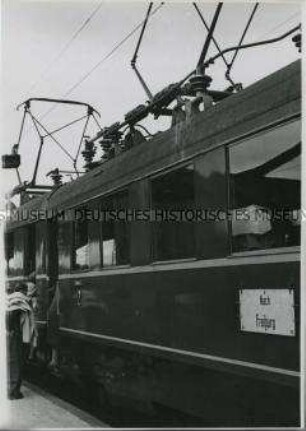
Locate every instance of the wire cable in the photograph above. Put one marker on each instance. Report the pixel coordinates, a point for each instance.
(36, 121)
(81, 141)
(281, 24)
(96, 121)
(249, 45)
(68, 125)
(229, 68)
(102, 60)
(65, 47)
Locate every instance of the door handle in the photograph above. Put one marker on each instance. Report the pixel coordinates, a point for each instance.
(78, 291)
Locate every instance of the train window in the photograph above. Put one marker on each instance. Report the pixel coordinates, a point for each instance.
(115, 232)
(173, 238)
(14, 252)
(80, 257)
(265, 176)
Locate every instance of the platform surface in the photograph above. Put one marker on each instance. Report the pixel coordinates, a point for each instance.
(38, 409)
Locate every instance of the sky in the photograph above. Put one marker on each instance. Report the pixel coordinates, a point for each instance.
(40, 59)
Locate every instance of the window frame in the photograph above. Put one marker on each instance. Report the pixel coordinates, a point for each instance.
(243, 139)
(153, 255)
(102, 199)
(73, 269)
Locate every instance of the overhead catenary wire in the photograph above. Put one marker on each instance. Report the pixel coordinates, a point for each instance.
(281, 24)
(59, 55)
(65, 47)
(117, 47)
(248, 24)
(102, 60)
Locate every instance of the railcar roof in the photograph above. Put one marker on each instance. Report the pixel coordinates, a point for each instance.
(266, 101)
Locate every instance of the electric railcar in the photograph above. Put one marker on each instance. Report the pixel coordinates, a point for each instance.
(197, 316)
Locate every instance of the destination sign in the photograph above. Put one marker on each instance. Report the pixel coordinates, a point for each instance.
(267, 311)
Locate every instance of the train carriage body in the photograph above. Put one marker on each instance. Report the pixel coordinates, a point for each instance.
(171, 313)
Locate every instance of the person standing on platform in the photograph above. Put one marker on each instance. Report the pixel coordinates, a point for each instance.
(20, 329)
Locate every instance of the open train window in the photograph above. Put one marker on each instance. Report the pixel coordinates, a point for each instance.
(115, 231)
(265, 178)
(80, 257)
(172, 194)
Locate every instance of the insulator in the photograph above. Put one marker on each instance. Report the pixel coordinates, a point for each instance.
(200, 83)
(111, 137)
(89, 152)
(164, 97)
(56, 177)
(106, 145)
(108, 148)
(92, 165)
(297, 39)
(122, 146)
(137, 114)
(112, 131)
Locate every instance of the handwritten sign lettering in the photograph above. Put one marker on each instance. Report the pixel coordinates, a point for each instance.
(267, 311)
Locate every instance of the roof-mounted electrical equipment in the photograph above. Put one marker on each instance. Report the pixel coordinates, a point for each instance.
(136, 114)
(56, 177)
(163, 99)
(88, 154)
(297, 40)
(13, 160)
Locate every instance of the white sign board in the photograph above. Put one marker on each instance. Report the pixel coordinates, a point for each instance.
(267, 311)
